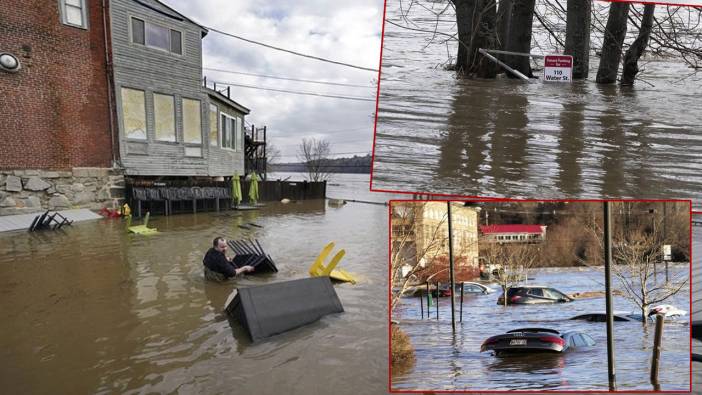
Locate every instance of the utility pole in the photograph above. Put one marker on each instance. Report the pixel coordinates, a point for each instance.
(451, 273)
(608, 291)
(665, 236)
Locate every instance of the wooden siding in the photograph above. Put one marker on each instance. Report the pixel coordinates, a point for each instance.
(224, 162)
(156, 71)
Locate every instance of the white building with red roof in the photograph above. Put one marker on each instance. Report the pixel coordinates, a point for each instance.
(514, 233)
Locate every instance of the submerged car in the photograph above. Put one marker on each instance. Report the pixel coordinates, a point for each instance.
(529, 340)
(468, 288)
(669, 312)
(533, 294)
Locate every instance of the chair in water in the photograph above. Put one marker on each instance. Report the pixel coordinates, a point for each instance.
(318, 268)
(140, 229)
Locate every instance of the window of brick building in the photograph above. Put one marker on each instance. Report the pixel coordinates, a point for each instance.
(164, 117)
(134, 113)
(157, 36)
(74, 13)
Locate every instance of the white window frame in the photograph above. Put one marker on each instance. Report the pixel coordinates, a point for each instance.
(84, 14)
(146, 115)
(233, 135)
(146, 21)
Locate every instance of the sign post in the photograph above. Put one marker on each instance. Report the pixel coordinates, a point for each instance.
(558, 68)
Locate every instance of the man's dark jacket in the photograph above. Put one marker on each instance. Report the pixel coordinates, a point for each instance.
(218, 262)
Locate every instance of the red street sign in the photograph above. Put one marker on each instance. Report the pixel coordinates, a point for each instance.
(558, 61)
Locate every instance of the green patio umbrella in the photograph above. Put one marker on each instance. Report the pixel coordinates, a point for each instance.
(253, 189)
(236, 189)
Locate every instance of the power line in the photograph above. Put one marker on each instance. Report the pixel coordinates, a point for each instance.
(288, 78)
(296, 92)
(290, 51)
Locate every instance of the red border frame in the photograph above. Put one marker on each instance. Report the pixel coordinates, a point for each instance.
(653, 2)
(375, 128)
(389, 290)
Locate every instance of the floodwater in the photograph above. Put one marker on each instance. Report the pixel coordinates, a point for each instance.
(92, 309)
(506, 138)
(445, 362)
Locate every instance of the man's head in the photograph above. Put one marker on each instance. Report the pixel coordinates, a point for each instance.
(219, 244)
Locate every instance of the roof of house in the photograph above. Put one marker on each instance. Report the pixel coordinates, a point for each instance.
(219, 96)
(178, 15)
(511, 228)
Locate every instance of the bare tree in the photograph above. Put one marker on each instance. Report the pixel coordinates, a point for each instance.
(314, 154)
(638, 254)
(272, 157)
(419, 247)
(637, 48)
(577, 41)
(614, 36)
(514, 260)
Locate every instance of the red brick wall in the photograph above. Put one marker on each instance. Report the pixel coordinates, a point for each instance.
(54, 112)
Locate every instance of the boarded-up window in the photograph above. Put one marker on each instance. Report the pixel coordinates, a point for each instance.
(192, 131)
(164, 117)
(134, 114)
(214, 130)
(239, 134)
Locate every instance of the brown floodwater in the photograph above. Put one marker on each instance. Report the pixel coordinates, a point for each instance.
(91, 309)
(454, 362)
(506, 138)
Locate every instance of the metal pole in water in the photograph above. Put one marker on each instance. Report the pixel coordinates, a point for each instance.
(421, 303)
(437, 300)
(461, 315)
(451, 272)
(428, 300)
(608, 291)
(656, 350)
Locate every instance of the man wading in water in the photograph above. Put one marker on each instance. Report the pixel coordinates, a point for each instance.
(217, 266)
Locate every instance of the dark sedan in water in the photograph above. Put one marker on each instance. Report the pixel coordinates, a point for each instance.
(533, 294)
(529, 340)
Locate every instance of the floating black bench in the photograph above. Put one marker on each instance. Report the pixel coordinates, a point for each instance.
(251, 253)
(270, 309)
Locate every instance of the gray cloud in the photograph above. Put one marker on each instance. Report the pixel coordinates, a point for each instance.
(339, 30)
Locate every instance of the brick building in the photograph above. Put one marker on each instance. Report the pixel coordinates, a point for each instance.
(57, 148)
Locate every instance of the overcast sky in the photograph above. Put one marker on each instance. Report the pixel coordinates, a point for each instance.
(346, 31)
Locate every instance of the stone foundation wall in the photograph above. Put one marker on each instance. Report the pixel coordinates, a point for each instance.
(27, 191)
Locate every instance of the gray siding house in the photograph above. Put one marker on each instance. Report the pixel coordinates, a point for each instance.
(169, 124)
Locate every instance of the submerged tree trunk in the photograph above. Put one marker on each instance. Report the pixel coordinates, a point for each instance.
(578, 36)
(476, 29)
(519, 36)
(504, 14)
(486, 38)
(464, 21)
(613, 42)
(631, 58)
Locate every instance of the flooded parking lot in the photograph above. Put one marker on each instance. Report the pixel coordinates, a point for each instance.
(505, 138)
(95, 310)
(445, 362)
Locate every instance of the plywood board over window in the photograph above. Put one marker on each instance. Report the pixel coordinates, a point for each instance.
(192, 129)
(214, 126)
(134, 113)
(164, 117)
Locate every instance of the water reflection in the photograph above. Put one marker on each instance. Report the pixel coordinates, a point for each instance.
(96, 310)
(438, 133)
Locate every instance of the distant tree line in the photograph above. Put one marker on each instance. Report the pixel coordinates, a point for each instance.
(354, 164)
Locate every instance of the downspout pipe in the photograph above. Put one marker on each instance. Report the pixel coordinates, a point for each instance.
(110, 92)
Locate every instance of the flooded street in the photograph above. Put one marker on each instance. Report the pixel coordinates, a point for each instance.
(506, 138)
(95, 310)
(445, 362)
